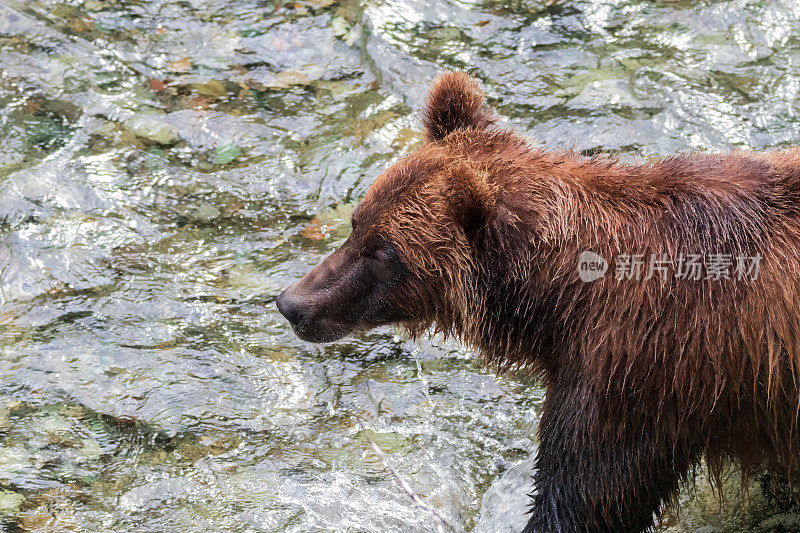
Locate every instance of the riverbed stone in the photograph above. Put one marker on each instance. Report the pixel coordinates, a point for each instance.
(153, 128)
(10, 502)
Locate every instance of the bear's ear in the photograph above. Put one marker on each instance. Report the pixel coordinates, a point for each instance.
(469, 197)
(455, 102)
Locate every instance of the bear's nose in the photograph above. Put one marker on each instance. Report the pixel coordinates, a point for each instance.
(290, 307)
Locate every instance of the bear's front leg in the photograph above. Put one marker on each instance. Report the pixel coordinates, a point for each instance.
(596, 475)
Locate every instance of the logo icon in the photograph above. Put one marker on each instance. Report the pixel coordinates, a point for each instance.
(591, 266)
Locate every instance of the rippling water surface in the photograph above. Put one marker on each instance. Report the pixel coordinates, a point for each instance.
(167, 167)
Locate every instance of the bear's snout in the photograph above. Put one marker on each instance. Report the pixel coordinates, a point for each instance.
(291, 307)
(348, 292)
(311, 320)
(324, 305)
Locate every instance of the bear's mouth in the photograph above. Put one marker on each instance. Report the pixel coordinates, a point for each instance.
(322, 330)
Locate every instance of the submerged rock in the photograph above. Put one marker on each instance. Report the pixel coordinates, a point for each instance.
(10, 502)
(287, 78)
(152, 128)
(212, 88)
(205, 212)
(224, 154)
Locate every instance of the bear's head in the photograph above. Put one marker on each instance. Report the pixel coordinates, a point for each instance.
(417, 235)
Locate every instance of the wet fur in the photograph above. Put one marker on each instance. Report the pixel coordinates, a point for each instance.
(644, 378)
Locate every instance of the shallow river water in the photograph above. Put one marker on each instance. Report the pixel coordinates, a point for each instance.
(166, 167)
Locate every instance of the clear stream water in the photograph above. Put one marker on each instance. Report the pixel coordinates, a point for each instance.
(167, 167)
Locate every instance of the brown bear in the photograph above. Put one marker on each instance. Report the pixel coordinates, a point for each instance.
(531, 257)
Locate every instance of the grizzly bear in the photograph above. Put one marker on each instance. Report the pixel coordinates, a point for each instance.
(544, 260)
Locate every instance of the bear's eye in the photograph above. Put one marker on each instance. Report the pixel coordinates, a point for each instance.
(379, 250)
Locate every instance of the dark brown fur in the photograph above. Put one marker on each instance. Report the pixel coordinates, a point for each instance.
(644, 378)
